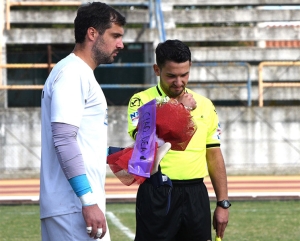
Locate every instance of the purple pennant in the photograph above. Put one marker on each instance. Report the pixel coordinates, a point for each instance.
(142, 157)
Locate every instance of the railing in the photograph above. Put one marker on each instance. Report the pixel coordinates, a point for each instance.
(190, 84)
(104, 86)
(10, 4)
(23, 66)
(51, 65)
(244, 64)
(262, 85)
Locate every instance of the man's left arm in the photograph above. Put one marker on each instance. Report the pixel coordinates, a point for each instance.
(218, 176)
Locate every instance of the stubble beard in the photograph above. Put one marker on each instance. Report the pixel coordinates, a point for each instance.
(176, 94)
(168, 90)
(99, 56)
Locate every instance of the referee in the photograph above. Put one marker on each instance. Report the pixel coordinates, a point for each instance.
(180, 209)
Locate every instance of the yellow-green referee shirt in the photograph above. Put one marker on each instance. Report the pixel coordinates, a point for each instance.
(191, 163)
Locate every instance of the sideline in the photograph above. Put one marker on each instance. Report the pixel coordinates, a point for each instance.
(119, 225)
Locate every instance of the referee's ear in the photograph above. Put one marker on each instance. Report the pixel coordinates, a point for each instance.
(156, 70)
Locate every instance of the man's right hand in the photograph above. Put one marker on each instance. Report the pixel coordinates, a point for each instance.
(187, 100)
(94, 218)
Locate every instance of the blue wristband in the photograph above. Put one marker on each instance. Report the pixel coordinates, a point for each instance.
(80, 185)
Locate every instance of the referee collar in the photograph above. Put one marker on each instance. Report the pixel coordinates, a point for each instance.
(159, 90)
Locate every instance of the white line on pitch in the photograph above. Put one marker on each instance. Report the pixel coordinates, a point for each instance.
(119, 225)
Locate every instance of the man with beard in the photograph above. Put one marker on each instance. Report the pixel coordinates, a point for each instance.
(180, 209)
(74, 131)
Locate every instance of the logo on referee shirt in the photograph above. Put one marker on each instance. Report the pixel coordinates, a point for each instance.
(134, 118)
(135, 102)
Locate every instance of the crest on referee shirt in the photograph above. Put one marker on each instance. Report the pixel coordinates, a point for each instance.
(135, 102)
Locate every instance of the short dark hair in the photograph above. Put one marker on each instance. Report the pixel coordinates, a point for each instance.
(97, 15)
(172, 50)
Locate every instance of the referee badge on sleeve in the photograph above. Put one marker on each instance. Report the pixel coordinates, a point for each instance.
(135, 102)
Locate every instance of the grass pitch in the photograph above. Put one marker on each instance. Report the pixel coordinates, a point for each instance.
(249, 221)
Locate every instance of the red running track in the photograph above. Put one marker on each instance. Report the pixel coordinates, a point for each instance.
(239, 188)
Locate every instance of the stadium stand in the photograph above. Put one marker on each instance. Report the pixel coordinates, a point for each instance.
(232, 43)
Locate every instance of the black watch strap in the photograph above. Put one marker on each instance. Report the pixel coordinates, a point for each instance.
(224, 204)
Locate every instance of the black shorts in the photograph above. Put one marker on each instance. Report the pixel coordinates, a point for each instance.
(188, 218)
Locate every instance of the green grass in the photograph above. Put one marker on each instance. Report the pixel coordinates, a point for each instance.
(249, 221)
(264, 221)
(19, 222)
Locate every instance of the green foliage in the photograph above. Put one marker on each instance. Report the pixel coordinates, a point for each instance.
(249, 221)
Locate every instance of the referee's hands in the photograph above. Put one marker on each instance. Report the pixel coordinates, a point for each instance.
(220, 220)
(188, 101)
(95, 219)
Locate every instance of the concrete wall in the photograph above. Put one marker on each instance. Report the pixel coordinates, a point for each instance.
(254, 140)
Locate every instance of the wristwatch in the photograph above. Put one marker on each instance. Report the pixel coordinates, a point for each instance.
(224, 204)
